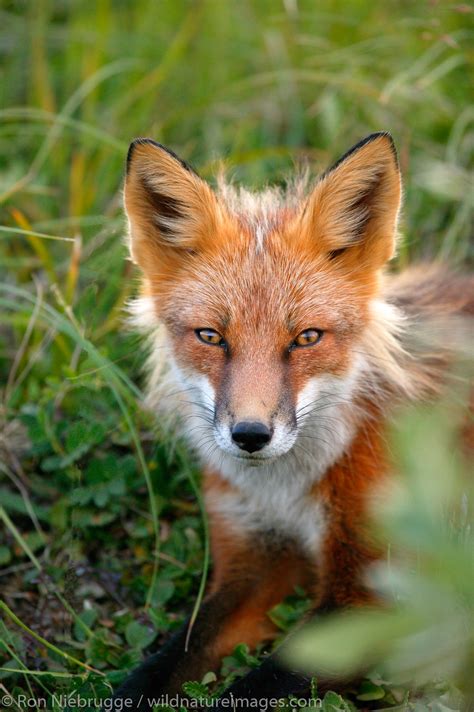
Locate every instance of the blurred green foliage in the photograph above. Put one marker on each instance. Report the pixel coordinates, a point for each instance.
(426, 631)
(101, 528)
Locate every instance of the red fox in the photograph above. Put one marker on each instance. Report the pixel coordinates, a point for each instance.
(283, 345)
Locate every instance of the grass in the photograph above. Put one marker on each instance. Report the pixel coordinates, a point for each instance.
(103, 544)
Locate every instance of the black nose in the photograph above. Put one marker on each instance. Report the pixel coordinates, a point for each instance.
(251, 436)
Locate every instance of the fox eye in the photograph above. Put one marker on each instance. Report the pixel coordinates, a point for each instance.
(309, 337)
(209, 336)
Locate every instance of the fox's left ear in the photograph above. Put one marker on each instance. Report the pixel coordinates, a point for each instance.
(352, 212)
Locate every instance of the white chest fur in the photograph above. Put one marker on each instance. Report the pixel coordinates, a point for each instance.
(284, 512)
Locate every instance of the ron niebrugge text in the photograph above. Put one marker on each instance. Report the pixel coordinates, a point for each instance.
(22, 702)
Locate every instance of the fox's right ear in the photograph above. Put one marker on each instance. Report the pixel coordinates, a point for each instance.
(169, 207)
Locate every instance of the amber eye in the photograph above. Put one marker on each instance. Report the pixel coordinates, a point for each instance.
(209, 336)
(310, 337)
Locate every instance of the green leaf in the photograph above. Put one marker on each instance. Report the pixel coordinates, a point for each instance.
(91, 517)
(196, 690)
(5, 555)
(208, 678)
(347, 642)
(83, 433)
(139, 635)
(369, 691)
(162, 592)
(290, 611)
(88, 616)
(160, 619)
(101, 497)
(6, 666)
(242, 655)
(15, 504)
(333, 702)
(102, 649)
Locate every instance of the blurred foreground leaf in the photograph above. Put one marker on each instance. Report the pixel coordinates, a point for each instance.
(425, 631)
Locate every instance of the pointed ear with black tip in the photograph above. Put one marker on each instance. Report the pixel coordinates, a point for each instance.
(170, 209)
(352, 212)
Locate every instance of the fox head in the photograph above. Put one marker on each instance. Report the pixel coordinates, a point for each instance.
(270, 303)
